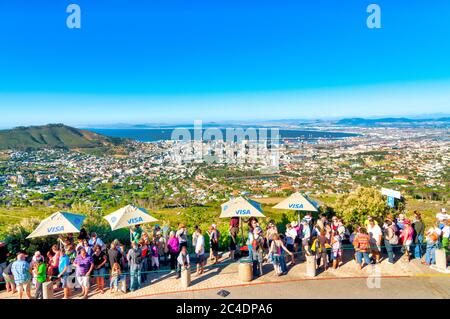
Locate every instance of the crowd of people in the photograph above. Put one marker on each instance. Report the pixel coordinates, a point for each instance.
(88, 260)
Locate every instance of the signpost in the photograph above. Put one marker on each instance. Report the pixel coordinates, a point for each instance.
(391, 196)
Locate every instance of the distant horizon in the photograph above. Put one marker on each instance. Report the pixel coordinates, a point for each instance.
(120, 125)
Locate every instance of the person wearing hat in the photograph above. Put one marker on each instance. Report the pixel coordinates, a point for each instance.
(400, 221)
(257, 251)
(298, 240)
(376, 235)
(162, 247)
(22, 275)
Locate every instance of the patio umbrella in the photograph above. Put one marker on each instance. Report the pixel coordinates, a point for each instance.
(297, 202)
(241, 207)
(129, 216)
(58, 223)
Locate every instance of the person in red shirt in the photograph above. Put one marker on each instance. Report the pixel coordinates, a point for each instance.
(362, 247)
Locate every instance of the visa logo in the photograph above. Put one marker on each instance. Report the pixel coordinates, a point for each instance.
(55, 229)
(243, 212)
(295, 206)
(135, 220)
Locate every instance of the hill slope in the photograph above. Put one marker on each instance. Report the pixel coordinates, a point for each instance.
(53, 136)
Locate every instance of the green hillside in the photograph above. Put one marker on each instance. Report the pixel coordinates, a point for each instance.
(53, 136)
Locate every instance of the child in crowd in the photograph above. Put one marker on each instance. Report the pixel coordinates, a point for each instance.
(115, 275)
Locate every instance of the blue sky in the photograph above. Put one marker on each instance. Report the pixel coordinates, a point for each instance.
(180, 60)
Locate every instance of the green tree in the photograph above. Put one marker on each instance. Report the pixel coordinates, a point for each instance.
(355, 207)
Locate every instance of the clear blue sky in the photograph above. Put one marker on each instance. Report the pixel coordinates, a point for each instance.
(179, 60)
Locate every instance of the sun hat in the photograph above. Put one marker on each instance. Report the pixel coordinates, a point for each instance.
(214, 226)
(294, 223)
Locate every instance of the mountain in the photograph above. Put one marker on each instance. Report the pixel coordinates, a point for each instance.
(54, 136)
(395, 121)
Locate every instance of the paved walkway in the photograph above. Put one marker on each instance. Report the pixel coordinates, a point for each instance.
(400, 280)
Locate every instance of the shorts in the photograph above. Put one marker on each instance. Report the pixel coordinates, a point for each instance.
(305, 242)
(99, 272)
(232, 245)
(337, 253)
(8, 278)
(200, 258)
(276, 259)
(65, 281)
(215, 248)
(23, 285)
(84, 281)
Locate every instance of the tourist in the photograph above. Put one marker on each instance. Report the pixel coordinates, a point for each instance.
(84, 266)
(9, 279)
(328, 235)
(87, 247)
(145, 257)
(400, 221)
(319, 247)
(114, 255)
(406, 235)
(162, 247)
(53, 262)
(376, 235)
(306, 236)
(298, 238)
(336, 246)
(99, 259)
(432, 240)
(419, 229)
(200, 252)
(173, 249)
(83, 234)
(441, 217)
(182, 235)
(134, 257)
(80, 244)
(214, 243)
(37, 257)
(252, 224)
(271, 231)
(40, 272)
(154, 254)
(136, 233)
(446, 236)
(63, 268)
(257, 251)
(275, 250)
(114, 279)
(362, 247)
(233, 231)
(22, 275)
(183, 262)
(390, 239)
(94, 240)
(291, 234)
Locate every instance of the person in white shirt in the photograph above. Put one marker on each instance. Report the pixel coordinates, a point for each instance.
(442, 217)
(375, 239)
(200, 251)
(306, 235)
(291, 234)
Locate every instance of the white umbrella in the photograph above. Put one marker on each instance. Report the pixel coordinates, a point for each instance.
(297, 202)
(58, 223)
(241, 207)
(129, 216)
